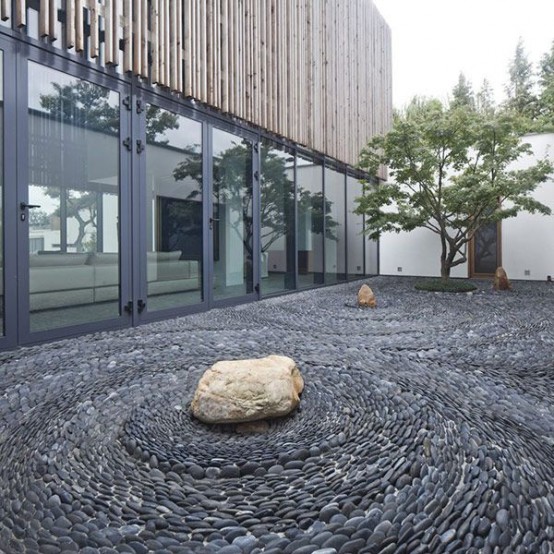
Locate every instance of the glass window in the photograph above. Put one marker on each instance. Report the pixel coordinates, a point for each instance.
(355, 228)
(371, 253)
(232, 221)
(277, 219)
(309, 175)
(335, 238)
(174, 222)
(74, 181)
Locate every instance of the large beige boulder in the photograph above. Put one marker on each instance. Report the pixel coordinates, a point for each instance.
(366, 297)
(501, 281)
(248, 390)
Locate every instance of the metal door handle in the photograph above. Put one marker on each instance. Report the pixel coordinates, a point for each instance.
(212, 220)
(24, 205)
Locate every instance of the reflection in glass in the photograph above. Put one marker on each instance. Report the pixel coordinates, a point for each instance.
(485, 249)
(277, 219)
(371, 253)
(74, 178)
(309, 175)
(1, 194)
(232, 221)
(355, 228)
(335, 243)
(174, 209)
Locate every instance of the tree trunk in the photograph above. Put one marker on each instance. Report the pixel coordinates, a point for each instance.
(445, 265)
(445, 269)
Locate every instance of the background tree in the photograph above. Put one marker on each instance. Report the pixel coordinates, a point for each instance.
(484, 100)
(462, 94)
(450, 174)
(546, 90)
(521, 98)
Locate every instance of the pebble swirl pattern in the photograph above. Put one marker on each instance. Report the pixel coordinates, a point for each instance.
(426, 426)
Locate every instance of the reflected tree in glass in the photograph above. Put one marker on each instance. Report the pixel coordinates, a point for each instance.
(84, 105)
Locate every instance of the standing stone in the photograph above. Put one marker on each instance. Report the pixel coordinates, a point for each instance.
(501, 281)
(248, 390)
(366, 297)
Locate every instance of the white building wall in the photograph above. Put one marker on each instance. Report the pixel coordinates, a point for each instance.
(527, 239)
(415, 253)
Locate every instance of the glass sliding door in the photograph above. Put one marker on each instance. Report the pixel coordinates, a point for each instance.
(335, 238)
(73, 201)
(231, 223)
(277, 219)
(355, 228)
(174, 220)
(310, 202)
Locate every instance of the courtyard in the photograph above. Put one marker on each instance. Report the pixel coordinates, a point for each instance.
(426, 425)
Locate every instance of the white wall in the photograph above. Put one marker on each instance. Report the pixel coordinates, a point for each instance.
(527, 240)
(417, 253)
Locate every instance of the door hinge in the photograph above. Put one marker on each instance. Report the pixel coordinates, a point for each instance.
(256, 147)
(141, 304)
(128, 307)
(256, 175)
(127, 103)
(127, 143)
(140, 146)
(140, 106)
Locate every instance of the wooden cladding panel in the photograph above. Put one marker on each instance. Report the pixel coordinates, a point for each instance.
(317, 72)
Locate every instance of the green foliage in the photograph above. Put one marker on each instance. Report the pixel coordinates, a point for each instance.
(449, 170)
(546, 91)
(462, 94)
(520, 89)
(440, 285)
(484, 101)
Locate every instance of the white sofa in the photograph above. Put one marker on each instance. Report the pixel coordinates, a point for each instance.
(60, 280)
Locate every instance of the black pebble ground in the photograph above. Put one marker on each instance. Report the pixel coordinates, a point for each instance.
(426, 425)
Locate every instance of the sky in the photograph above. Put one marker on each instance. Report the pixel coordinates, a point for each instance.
(434, 40)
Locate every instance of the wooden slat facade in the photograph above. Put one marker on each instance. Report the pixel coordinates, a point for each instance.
(317, 72)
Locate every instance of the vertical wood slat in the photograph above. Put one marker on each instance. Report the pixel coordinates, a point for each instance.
(164, 62)
(188, 53)
(44, 18)
(69, 23)
(179, 60)
(127, 35)
(262, 91)
(108, 32)
(210, 53)
(173, 44)
(94, 31)
(116, 11)
(143, 23)
(155, 41)
(4, 12)
(136, 30)
(53, 19)
(21, 13)
(223, 47)
(79, 26)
